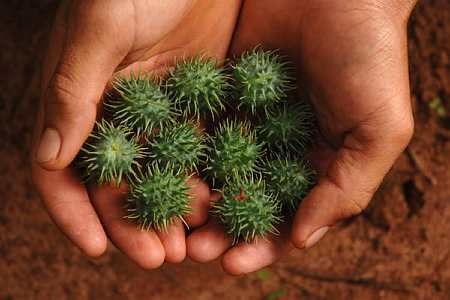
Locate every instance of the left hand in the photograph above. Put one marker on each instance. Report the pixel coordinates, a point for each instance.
(353, 56)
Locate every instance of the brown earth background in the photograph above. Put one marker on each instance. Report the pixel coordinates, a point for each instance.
(398, 249)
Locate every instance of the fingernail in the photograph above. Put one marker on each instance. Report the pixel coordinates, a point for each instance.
(49, 146)
(316, 236)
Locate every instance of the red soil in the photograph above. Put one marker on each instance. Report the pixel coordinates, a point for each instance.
(398, 249)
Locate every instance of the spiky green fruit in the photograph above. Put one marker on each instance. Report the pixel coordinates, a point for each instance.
(142, 106)
(234, 151)
(261, 79)
(110, 154)
(199, 87)
(290, 180)
(159, 198)
(247, 211)
(289, 128)
(181, 146)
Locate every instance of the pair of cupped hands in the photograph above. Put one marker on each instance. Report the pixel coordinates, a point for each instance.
(351, 55)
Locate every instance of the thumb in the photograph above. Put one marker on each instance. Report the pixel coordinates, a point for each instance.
(86, 64)
(350, 181)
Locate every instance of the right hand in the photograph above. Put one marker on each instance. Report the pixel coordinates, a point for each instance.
(352, 56)
(92, 42)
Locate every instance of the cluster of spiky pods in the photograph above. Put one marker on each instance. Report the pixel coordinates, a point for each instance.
(251, 150)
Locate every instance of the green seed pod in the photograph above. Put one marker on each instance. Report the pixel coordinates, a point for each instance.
(158, 198)
(247, 211)
(234, 151)
(143, 105)
(181, 146)
(199, 87)
(261, 79)
(290, 180)
(289, 128)
(110, 154)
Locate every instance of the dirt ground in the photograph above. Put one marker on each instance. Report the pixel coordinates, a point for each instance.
(398, 249)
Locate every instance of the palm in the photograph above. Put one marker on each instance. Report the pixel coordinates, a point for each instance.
(333, 45)
(180, 33)
(352, 60)
(343, 53)
(159, 32)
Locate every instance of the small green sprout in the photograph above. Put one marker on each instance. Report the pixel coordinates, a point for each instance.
(438, 107)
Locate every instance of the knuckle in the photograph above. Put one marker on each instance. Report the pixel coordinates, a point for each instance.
(62, 89)
(65, 95)
(351, 203)
(359, 203)
(351, 206)
(354, 208)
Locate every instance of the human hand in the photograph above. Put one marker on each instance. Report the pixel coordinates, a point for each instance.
(352, 56)
(92, 42)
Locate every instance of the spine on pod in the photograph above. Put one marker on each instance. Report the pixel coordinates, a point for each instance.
(199, 87)
(290, 180)
(235, 151)
(247, 211)
(181, 146)
(143, 105)
(261, 80)
(158, 198)
(111, 154)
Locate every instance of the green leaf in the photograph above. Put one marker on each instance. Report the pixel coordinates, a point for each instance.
(277, 294)
(264, 274)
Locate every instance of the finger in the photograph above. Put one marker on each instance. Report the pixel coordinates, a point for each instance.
(245, 257)
(200, 202)
(68, 204)
(173, 240)
(208, 242)
(141, 246)
(350, 180)
(86, 63)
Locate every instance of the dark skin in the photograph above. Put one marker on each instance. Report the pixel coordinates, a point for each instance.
(350, 54)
